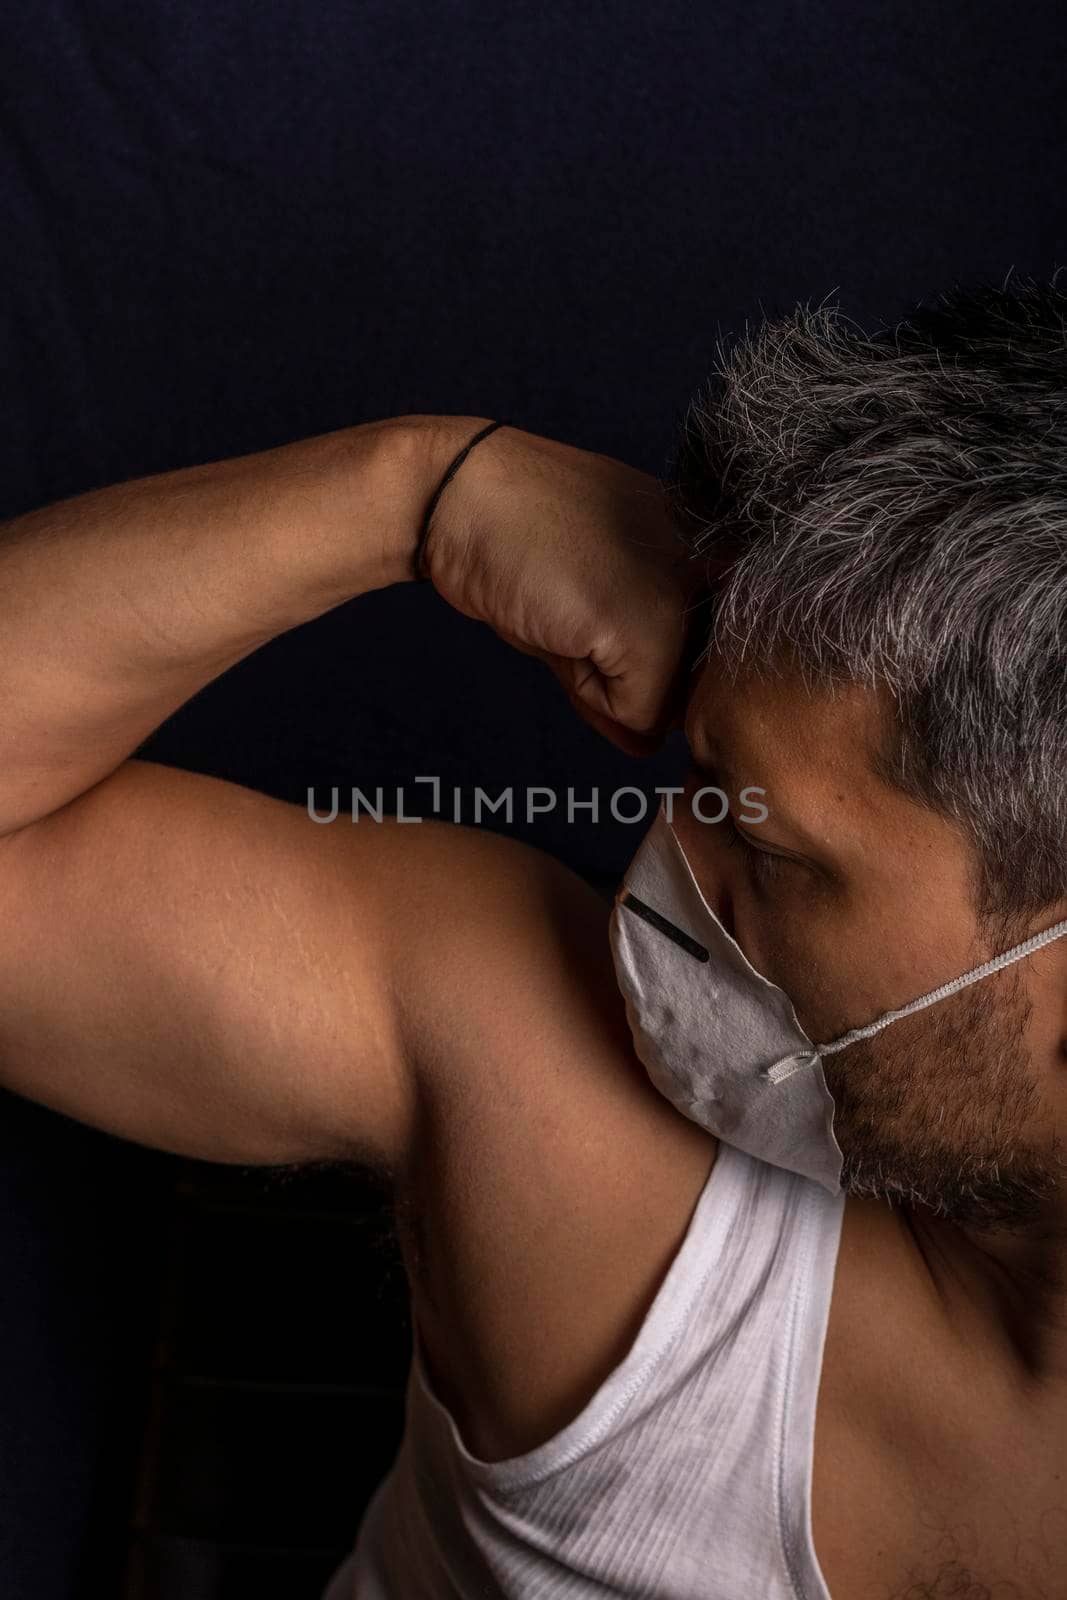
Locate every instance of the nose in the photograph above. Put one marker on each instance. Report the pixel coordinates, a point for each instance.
(724, 910)
(711, 860)
(713, 876)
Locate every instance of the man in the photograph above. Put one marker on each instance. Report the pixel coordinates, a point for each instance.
(647, 1362)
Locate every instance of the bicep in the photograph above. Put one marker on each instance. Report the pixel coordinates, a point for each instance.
(192, 965)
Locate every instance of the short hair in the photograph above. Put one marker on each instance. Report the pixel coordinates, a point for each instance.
(892, 508)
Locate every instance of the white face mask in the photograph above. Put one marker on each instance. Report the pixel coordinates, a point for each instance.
(719, 1040)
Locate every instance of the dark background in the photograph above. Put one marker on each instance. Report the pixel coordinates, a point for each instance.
(225, 226)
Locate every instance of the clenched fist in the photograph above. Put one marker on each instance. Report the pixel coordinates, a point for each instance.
(572, 557)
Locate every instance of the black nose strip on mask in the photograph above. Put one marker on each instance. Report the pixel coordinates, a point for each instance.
(654, 920)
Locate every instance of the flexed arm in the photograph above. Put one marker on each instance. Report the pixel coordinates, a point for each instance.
(193, 965)
(117, 606)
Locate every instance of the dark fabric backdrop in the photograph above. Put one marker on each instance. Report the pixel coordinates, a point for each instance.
(225, 226)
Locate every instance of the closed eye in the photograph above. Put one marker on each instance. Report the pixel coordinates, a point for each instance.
(762, 863)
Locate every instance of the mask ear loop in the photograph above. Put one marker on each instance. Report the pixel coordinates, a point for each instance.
(1017, 953)
(789, 1064)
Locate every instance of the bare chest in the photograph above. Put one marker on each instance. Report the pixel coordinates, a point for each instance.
(939, 1530)
(929, 1482)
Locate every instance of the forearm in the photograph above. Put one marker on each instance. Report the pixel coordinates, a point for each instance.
(117, 606)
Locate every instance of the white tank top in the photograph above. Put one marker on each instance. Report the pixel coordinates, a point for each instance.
(687, 1476)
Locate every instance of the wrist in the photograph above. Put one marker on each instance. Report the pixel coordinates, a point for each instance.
(344, 511)
(422, 447)
(351, 516)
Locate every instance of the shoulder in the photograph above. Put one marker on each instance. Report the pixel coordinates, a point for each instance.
(549, 1184)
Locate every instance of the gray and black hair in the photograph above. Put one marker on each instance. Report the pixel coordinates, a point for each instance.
(893, 509)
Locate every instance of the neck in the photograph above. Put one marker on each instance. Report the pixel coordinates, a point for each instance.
(1005, 1291)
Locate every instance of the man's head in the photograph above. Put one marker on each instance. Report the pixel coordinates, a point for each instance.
(888, 660)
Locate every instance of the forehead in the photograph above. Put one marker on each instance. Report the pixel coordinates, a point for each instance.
(815, 753)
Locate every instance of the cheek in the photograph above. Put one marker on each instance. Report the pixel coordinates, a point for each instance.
(790, 944)
(866, 1084)
(787, 923)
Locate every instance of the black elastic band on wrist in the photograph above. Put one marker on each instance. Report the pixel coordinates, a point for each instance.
(421, 575)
